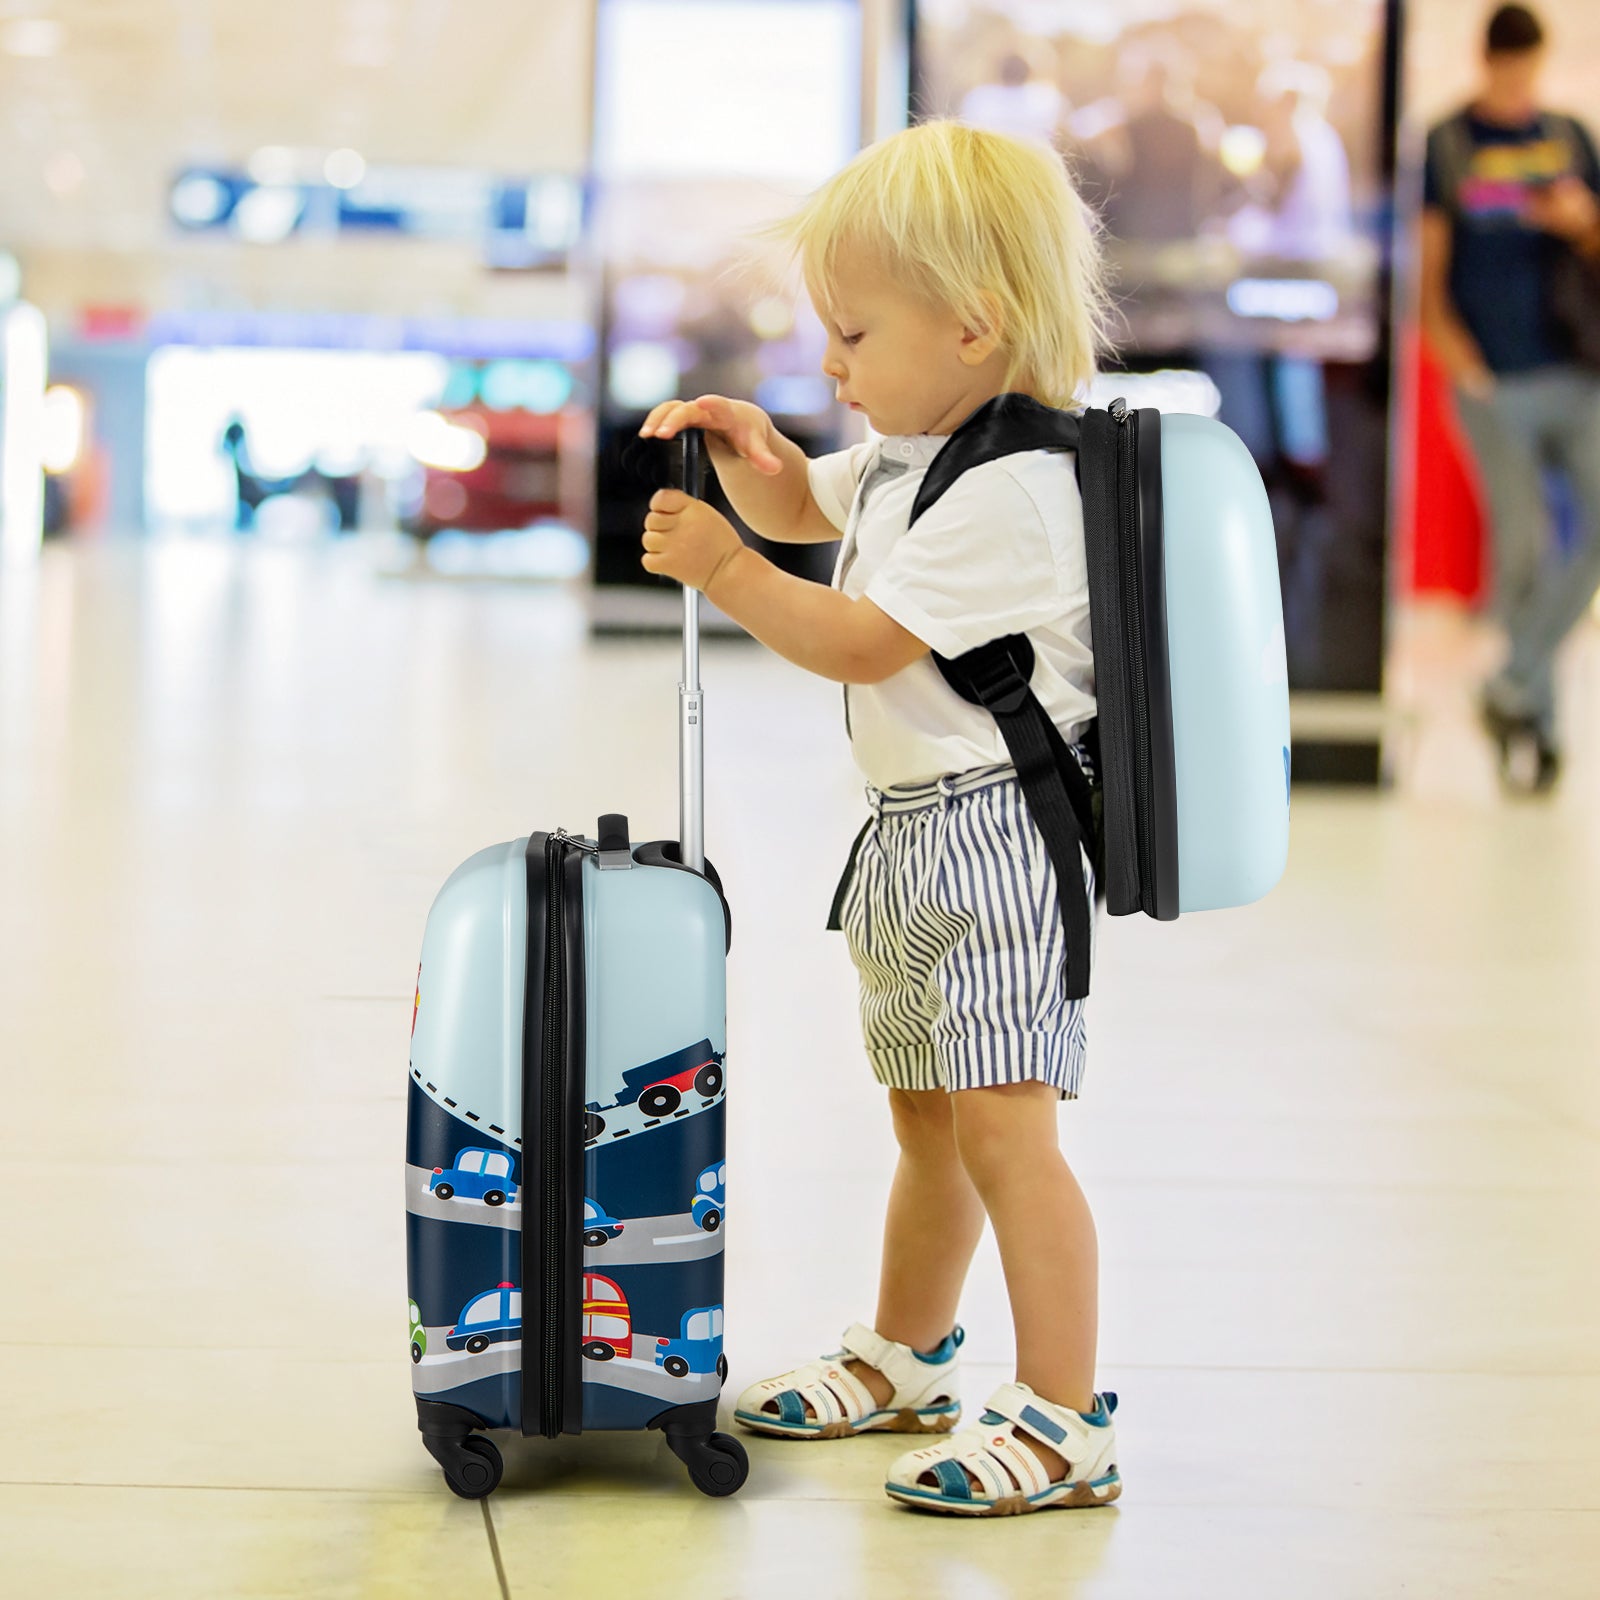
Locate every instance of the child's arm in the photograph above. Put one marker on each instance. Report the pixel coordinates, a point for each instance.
(810, 624)
(763, 474)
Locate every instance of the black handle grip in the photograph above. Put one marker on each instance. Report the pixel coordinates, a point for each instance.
(689, 464)
(612, 833)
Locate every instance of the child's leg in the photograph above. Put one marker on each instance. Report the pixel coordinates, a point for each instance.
(1007, 1139)
(934, 1223)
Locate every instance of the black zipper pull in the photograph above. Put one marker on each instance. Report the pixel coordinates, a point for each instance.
(1118, 409)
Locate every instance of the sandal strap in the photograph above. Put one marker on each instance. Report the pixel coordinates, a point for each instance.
(1064, 1431)
(989, 1452)
(835, 1393)
(866, 1344)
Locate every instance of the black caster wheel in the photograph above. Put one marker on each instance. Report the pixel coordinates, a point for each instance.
(473, 1468)
(719, 1466)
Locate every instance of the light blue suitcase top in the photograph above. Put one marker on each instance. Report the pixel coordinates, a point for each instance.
(648, 993)
(1230, 680)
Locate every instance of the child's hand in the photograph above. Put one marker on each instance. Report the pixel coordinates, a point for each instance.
(686, 539)
(734, 429)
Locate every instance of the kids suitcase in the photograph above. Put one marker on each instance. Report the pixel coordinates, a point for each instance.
(565, 1159)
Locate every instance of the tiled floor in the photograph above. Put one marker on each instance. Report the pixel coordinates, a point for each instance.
(1344, 1147)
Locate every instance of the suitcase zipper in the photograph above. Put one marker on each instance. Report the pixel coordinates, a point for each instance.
(552, 1151)
(1133, 636)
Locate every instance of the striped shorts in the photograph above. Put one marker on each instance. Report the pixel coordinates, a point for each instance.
(953, 924)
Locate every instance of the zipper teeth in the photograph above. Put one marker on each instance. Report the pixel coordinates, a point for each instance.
(554, 1064)
(1133, 614)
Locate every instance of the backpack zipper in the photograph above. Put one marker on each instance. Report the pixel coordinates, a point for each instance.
(1128, 549)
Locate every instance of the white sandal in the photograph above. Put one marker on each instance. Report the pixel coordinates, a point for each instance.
(1011, 1478)
(924, 1398)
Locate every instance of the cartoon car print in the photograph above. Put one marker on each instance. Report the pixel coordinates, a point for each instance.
(698, 1348)
(660, 1097)
(607, 1321)
(488, 1318)
(485, 1175)
(659, 1087)
(419, 1334)
(709, 1208)
(598, 1228)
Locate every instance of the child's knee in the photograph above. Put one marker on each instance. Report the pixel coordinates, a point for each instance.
(922, 1122)
(999, 1128)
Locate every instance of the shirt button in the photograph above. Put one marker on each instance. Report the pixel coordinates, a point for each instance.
(905, 449)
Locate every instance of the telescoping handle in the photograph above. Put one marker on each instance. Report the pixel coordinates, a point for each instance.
(689, 469)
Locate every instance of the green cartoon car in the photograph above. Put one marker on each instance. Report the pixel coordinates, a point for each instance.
(419, 1334)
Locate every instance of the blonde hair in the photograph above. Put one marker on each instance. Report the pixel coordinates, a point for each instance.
(969, 220)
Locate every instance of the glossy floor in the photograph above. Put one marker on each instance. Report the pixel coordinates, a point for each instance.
(1344, 1147)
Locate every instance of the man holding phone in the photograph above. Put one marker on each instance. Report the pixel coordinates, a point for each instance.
(1511, 222)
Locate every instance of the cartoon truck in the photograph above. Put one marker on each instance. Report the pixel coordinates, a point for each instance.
(698, 1347)
(607, 1321)
(659, 1094)
(485, 1175)
(708, 1207)
(419, 1334)
(598, 1228)
(488, 1318)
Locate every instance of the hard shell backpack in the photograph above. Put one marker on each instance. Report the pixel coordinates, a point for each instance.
(565, 1154)
(1191, 808)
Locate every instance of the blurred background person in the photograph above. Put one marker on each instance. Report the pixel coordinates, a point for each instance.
(1510, 207)
(1016, 102)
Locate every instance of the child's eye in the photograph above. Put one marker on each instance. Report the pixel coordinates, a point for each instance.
(851, 338)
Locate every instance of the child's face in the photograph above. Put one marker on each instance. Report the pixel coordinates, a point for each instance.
(911, 367)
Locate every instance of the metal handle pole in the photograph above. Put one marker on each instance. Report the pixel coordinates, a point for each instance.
(691, 702)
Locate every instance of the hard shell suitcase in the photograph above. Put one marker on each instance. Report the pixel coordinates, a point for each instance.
(565, 1153)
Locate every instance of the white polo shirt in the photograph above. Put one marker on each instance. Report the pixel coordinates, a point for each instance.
(1001, 551)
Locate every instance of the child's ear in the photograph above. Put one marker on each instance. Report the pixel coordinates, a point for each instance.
(979, 343)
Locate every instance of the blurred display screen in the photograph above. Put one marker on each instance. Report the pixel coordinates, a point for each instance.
(711, 118)
(727, 88)
(1240, 155)
(1232, 148)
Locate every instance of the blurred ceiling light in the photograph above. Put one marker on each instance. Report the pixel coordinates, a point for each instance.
(63, 428)
(31, 36)
(1242, 149)
(435, 441)
(273, 163)
(344, 169)
(198, 200)
(643, 373)
(772, 318)
(63, 172)
(268, 215)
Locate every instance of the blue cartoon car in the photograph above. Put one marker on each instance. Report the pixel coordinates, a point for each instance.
(488, 1318)
(486, 1175)
(709, 1206)
(698, 1348)
(598, 1228)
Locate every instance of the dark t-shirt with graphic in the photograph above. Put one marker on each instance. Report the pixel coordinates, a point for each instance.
(1481, 174)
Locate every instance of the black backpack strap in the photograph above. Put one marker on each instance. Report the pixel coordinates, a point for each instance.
(1059, 795)
(997, 675)
(1004, 426)
(836, 910)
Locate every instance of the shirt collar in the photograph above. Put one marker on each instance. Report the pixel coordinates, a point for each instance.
(913, 449)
